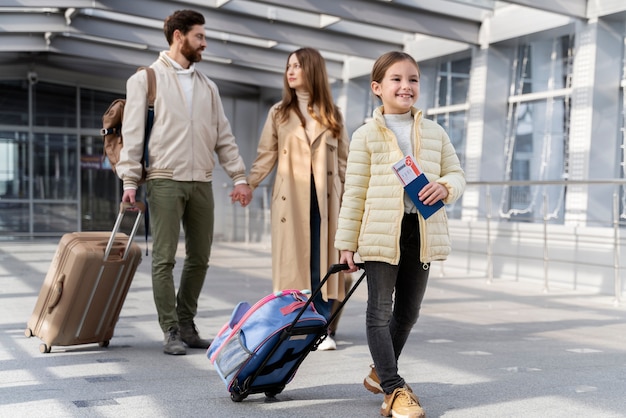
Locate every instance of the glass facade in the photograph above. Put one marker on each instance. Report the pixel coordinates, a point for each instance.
(55, 167)
(54, 105)
(538, 128)
(52, 176)
(13, 103)
(100, 187)
(450, 110)
(453, 82)
(621, 152)
(14, 165)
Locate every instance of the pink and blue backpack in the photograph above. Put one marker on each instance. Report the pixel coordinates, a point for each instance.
(263, 345)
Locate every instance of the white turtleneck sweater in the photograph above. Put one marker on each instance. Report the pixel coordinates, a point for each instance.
(402, 127)
(303, 101)
(186, 81)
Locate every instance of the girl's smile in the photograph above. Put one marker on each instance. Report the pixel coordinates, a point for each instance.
(399, 88)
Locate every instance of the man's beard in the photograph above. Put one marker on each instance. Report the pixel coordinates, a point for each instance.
(192, 55)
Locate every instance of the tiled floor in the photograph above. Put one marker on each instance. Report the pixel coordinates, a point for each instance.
(504, 349)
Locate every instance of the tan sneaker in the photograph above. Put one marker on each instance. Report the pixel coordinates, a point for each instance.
(402, 403)
(372, 382)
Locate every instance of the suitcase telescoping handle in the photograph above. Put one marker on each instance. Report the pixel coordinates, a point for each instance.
(334, 268)
(124, 208)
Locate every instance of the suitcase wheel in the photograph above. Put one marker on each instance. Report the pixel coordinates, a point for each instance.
(237, 397)
(272, 393)
(104, 343)
(44, 348)
(271, 396)
(238, 394)
(28, 332)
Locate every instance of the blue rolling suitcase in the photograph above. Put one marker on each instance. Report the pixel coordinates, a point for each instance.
(260, 349)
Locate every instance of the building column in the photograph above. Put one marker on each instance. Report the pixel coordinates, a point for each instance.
(594, 127)
(580, 122)
(486, 129)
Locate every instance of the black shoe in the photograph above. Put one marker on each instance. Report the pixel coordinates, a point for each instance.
(189, 335)
(172, 344)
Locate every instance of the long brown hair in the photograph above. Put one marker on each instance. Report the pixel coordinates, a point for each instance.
(316, 83)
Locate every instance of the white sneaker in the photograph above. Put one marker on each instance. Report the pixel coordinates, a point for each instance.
(328, 344)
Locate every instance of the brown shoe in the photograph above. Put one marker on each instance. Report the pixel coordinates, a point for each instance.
(172, 343)
(402, 403)
(372, 382)
(189, 335)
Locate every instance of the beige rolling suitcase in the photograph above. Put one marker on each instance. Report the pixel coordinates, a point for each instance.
(84, 290)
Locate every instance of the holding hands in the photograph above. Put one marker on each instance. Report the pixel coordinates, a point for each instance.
(241, 193)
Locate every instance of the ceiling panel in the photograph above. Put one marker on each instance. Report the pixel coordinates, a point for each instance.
(248, 41)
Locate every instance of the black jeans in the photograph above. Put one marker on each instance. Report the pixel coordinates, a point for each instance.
(322, 306)
(389, 323)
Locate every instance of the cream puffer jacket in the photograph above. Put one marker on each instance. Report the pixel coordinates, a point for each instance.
(373, 202)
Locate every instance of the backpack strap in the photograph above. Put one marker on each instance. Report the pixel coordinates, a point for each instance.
(151, 85)
(151, 96)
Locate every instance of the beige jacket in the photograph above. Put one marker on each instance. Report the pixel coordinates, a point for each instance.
(373, 202)
(183, 145)
(284, 146)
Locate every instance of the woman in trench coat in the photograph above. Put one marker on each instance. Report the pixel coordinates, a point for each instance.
(305, 140)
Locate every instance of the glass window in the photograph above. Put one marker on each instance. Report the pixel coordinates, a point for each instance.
(621, 150)
(453, 82)
(460, 88)
(57, 218)
(14, 218)
(442, 92)
(54, 105)
(461, 66)
(14, 103)
(452, 88)
(101, 189)
(93, 104)
(540, 139)
(543, 65)
(537, 133)
(39, 167)
(523, 84)
(55, 167)
(13, 165)
(455, 125)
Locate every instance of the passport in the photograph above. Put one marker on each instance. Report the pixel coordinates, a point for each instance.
(413, 180)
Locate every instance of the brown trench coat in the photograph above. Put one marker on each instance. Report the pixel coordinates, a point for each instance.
(285, 145)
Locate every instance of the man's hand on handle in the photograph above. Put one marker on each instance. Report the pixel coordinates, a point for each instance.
(129, 195)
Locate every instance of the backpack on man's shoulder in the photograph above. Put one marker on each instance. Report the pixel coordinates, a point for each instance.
(112, 126)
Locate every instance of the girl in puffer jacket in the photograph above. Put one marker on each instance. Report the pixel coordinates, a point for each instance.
(381, 222)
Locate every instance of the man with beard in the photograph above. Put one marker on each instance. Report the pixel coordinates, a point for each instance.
(189, 127)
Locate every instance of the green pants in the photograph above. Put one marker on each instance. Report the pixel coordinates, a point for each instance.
(170, 203)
